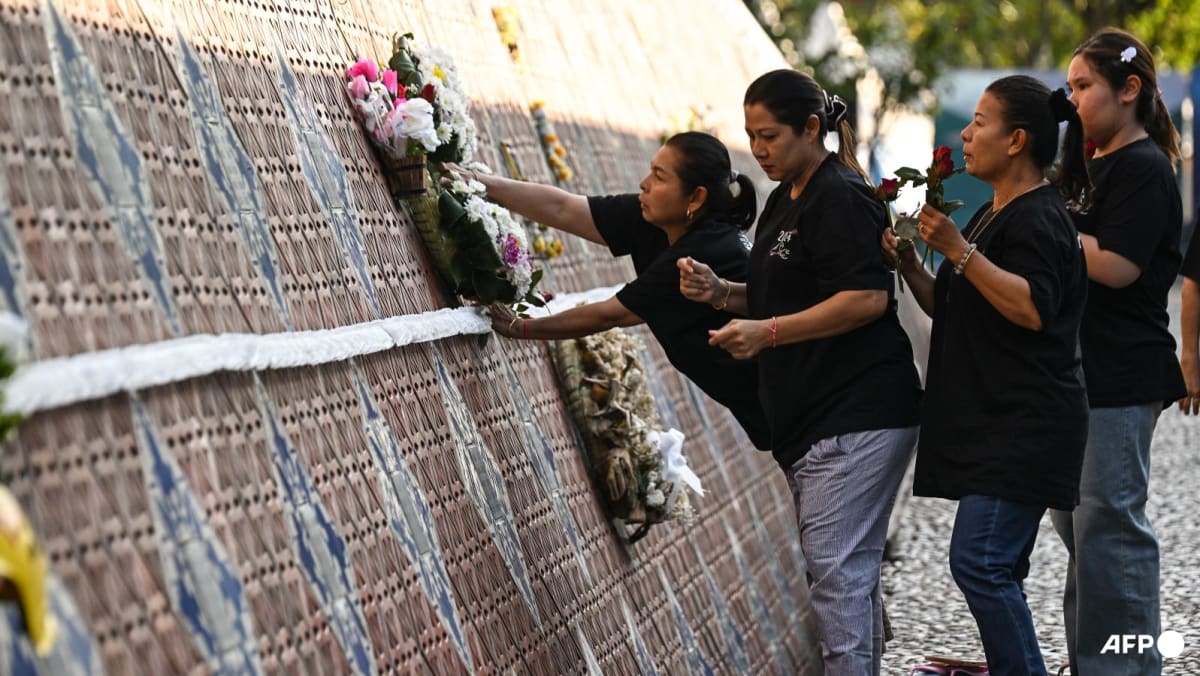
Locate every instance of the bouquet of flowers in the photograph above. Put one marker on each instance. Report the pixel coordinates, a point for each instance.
(431, 73)
(941, 168)
(639, 467)
(493, 257)
(415, 109)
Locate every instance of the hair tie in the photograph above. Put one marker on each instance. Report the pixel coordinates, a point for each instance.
(1061, 106)
(835, 110)
(735, 188)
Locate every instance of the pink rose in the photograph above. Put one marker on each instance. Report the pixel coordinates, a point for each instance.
(365, 68)
(389, 81)
(358, 87)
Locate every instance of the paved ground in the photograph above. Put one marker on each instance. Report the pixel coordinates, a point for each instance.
(928, 612)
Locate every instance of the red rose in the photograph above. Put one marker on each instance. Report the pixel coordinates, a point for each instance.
(428, 92)
(943, 163)
(1089, 148)
(888, 190)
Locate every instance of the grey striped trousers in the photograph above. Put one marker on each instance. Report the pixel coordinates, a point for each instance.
(844, 489)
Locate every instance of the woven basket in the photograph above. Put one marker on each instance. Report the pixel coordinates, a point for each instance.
(406, 176)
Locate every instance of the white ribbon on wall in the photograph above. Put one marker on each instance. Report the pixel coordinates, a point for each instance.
(54, 383)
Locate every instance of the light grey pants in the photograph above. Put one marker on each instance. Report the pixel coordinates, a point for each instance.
(844, 489)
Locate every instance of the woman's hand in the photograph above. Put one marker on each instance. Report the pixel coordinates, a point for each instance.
(742, 338)
(1191, 378)
(450, 172)
(891, 248)
(698, 282)
(939, 232)
(505, 321)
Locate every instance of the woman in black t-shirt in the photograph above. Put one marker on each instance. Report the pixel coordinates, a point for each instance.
(1131, 239)
(836, 369)
(1004, 420)
(691, 204)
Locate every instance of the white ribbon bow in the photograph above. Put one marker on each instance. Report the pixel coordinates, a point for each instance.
(675, 467)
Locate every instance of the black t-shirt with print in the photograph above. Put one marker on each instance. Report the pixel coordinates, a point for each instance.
(807, 250)
(1005, 410)
(680, 325)
(1128, 350)
(1191, 260)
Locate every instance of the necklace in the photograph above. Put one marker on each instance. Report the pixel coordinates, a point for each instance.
(992, 212)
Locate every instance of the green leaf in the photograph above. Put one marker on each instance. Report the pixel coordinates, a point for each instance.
(908, 173)
(406, 70)
(952, 206)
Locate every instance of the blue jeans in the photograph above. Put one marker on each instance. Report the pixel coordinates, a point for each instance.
(989, 559)
(1112, 572)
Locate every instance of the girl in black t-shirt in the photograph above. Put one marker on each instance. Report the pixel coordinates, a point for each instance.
(836, 369)
(691, 204)
(1131, 237)
(1004, 420)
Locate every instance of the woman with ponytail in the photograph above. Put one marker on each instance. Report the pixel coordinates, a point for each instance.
(836, 369)
(1131, 235)
(691, 204)
(1004, 420)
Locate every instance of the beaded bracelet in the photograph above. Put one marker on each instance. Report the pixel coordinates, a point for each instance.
(962, 264)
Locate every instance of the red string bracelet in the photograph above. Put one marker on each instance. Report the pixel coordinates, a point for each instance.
(774, 330)
(524, 328)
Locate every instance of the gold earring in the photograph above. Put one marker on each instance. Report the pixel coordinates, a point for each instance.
(689, 214)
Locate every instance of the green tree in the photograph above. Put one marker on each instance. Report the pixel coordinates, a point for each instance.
(910, 43)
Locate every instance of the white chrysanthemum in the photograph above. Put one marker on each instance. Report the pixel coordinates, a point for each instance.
(655, 498)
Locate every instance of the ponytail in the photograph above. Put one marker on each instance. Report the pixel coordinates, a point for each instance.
(1161, 127)
(1073, 180)
(743, 208)
(846, 146)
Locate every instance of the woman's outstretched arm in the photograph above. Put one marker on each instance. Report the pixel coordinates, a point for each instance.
(546, 204)
(574, 323)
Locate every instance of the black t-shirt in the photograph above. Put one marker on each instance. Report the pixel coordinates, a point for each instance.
(680, 325)
(1128, 350)
(806, 250)
(1005, 410)
(1191, 261)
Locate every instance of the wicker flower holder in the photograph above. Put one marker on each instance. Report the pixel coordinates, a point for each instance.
(406, 176)
(426, 216)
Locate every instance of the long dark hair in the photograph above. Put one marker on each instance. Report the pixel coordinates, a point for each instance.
(1031, 106)
(791, 97)
(1104, 52)
(705, 164)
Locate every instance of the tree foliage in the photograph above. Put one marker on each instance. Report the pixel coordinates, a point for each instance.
(910, 43)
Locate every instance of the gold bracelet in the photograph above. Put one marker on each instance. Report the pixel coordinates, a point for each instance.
(513, 323)
(728, 292)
